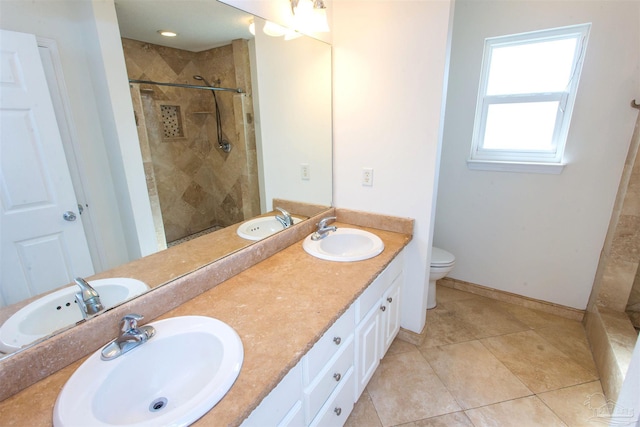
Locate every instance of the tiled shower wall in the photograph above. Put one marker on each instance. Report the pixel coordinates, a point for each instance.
(616, 283)
(615, 289)
(198, 186)
(633, 306)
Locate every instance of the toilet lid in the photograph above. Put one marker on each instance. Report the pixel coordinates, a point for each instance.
(440, 257)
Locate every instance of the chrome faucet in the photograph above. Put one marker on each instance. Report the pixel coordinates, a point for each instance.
(88, 299)
(131, 336)
(323, 230)
(285, 218)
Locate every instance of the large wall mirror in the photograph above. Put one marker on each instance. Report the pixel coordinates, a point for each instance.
(212, 159)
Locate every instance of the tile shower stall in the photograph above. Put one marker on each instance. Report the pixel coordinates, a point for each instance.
(617, 283)
(194, 185)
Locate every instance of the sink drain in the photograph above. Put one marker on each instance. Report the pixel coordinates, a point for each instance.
(158, 404)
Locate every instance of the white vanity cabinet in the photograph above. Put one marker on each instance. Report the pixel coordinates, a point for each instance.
(378, 322)
(323, 387)
(312, 393)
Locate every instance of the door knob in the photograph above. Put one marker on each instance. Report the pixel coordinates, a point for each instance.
(69, 216)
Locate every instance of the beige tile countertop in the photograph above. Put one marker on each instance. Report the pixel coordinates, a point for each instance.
(280, 307)
(164, 266)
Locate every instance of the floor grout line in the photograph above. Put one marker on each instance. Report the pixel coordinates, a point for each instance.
(501, 313)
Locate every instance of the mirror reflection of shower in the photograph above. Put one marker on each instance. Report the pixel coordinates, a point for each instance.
(223, 144)
(196, 182)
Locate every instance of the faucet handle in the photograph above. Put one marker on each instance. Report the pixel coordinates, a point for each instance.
(284, 212)
(285, 219)
(323, 222)
(130, 321)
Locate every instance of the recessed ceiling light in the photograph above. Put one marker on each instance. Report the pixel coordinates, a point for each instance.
(167, 33)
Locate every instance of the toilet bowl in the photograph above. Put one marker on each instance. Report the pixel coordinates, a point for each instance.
(442, 263)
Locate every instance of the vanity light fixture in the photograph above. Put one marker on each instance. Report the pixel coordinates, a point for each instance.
(273, 29)
(292, 34)
(269, 28)
(167, 33)
(310, 15)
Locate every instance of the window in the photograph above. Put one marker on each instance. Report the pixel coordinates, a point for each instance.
(527, 90)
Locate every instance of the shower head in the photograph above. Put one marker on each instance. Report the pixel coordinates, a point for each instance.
(198, 77)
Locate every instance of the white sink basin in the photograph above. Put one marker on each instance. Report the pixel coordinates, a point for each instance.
(261, 227)
(59, 310)
(171, 380)
(345, 244)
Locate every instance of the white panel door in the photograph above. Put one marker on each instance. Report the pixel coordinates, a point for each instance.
(40, 249)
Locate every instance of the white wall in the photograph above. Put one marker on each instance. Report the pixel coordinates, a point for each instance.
(531, 234)
(293, 121)
(119, 128)
(389, 69)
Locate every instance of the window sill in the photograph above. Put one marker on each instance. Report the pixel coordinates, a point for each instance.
(525, 167)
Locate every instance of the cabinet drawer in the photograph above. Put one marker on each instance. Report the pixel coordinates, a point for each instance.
(373, 293)
(329, 378)
(328, 345)
(337, 409)
(279, 403)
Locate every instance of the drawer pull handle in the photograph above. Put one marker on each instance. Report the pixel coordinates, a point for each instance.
(383, 308)
(389, 299)
(337, 376)
(337, 340)
(338, 411)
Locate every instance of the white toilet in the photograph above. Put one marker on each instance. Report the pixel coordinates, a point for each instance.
(441, 264)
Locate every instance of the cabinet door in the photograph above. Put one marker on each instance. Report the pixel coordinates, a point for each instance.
(367, 349)
(390, 318)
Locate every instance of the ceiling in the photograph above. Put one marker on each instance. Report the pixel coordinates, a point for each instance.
(200, 24)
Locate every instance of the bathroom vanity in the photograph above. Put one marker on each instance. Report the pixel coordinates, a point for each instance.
(323, 387)
(313, 330)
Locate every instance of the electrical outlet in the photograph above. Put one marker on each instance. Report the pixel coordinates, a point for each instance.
(367, 177)
(304, 171)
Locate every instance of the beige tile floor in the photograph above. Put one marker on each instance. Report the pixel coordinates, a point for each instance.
(485, 363)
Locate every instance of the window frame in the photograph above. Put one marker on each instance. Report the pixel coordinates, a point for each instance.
(519, 160)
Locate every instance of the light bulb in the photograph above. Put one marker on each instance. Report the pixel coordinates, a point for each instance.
(167, 33)
(307, 18)
(274, 30)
